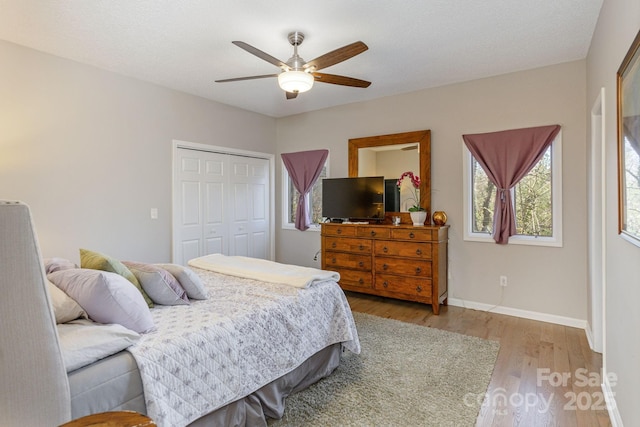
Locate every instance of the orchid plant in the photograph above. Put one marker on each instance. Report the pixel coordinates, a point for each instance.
(415, 183)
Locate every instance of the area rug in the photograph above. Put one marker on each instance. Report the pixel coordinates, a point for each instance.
(407, 375)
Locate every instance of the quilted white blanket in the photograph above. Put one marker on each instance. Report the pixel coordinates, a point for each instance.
(264, 270)
(247, 334)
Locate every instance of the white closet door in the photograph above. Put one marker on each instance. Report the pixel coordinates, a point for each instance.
(249, 182)
(222, 205)
(214, 199)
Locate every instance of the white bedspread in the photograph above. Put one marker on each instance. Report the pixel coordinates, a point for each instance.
(247, 334)
(265, 270)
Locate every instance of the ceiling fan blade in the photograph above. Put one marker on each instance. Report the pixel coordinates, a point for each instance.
(262, 55)
(336, 56)
(340, 80)
(291, 95)
(235, 79)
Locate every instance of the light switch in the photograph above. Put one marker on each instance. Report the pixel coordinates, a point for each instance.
(154, 213)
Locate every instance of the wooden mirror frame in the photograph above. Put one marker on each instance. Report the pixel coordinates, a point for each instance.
(423, 138)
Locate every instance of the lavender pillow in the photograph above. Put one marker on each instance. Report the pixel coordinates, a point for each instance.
(106, 297)
(188, 279)
(51, 265)
(158, 283)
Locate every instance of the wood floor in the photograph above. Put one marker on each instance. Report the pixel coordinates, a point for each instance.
(545, 375)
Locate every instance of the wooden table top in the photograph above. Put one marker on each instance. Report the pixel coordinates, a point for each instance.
(112, 419)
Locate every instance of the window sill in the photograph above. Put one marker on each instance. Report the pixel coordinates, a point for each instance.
(518, 240)
(291, 226)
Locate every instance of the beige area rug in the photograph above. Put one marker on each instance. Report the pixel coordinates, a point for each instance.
(407, 375)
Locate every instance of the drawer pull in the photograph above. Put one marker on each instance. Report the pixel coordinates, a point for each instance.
(361, 264)
(411, 235)
(373, 233)
(361, 247)
(339, 231)
(333, 260)
(419, 288)
(419, 252)
(361, 281)
(385, 266)
(333, 245)
(385, 284)
(418, 270)
(385, 249)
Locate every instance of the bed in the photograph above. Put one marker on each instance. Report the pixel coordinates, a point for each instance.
(230, 359)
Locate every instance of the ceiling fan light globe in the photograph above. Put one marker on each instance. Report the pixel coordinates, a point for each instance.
(295, 81)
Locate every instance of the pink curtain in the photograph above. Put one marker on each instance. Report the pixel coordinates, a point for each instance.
(304, 168)
(506, 157)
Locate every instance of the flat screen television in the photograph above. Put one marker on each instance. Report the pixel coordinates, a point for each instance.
(360, 198)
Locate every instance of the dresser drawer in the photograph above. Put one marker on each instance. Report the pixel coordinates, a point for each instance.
(409, 267)
(415, 233)
(411, 286)
(338, 230)
(347, 244)
(373, 232)
(421, 250)
(339, 260)
(355, 279)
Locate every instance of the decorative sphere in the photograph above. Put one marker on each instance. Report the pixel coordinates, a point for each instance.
(439, 218)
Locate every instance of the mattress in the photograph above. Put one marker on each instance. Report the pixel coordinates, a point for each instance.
(110, 384)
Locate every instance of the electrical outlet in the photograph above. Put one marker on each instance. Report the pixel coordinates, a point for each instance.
(503, 280)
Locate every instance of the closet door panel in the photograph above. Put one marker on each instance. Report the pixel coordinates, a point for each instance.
(223, 205)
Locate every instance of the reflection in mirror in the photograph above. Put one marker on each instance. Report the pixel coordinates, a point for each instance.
(390, 156)
(391, 161)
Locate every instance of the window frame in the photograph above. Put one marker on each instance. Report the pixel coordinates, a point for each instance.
(556, 240)
(286, 207)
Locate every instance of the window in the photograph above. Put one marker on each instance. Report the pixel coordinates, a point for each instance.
(291, 195)
(537, 201)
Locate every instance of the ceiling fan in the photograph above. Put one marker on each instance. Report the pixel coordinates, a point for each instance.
(297, 75)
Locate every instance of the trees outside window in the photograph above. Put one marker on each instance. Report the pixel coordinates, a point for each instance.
(536, 198)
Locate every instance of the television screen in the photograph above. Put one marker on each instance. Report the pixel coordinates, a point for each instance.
(354, 198)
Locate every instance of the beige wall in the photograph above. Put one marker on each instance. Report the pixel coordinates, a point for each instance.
(617, 26)
(90, 151)
(541, 279)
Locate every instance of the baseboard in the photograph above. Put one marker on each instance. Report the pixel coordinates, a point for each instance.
(612, 407)
(533, 315)
(589, 333)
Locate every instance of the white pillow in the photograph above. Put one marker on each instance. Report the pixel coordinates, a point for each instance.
(65, 308)
(158, 283)
(83, 342)
(106, 297)
(188, 279)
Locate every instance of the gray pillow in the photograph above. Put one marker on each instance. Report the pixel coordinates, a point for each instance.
(106, 297)
(158, 283)
(188, 279)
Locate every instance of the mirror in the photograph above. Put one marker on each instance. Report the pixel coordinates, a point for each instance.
(362, 148)
(628, 82)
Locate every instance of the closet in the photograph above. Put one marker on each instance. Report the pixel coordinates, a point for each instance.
(221, 203)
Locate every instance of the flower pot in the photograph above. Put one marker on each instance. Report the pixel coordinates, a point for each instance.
(418, 217)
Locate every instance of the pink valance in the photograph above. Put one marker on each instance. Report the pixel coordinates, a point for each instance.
(507, 157)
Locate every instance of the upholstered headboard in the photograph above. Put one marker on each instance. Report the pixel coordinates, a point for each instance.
(34, 390)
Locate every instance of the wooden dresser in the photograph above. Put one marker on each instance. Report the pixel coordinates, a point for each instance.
(402, 261)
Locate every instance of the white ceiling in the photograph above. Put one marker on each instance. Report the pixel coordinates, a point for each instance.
(413, 44)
